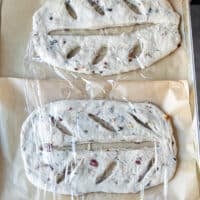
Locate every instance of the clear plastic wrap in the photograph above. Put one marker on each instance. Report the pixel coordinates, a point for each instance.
(173, 99)
(75, 135)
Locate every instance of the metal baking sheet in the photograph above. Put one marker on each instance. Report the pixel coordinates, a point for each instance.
(16, 20)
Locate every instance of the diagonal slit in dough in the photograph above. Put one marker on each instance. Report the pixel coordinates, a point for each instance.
(73, 52)
(60, 127)
(115, 30)
(61, 177)
(102, 122)
(140, 122)
(133, 7)
(71, 166)
(100, 55)
(107, 172)
(96, 7)
(149, 166)
(70, 10)
(135, 52)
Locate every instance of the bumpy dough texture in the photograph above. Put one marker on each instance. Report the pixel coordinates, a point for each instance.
(125, 52)
(77, 147)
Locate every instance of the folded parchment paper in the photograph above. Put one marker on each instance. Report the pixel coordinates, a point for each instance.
(16, 102)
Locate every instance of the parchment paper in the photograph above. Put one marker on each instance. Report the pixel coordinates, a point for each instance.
(170, 96)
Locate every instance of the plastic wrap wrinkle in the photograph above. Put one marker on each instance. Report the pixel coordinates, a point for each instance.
(170, 93)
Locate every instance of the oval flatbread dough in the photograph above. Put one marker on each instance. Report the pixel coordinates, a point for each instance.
(80, 146)
(105, 37)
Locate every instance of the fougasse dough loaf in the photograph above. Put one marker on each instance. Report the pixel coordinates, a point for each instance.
(105, 37)
(85, 146)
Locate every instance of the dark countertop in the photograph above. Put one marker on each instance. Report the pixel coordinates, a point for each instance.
(195, 13)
